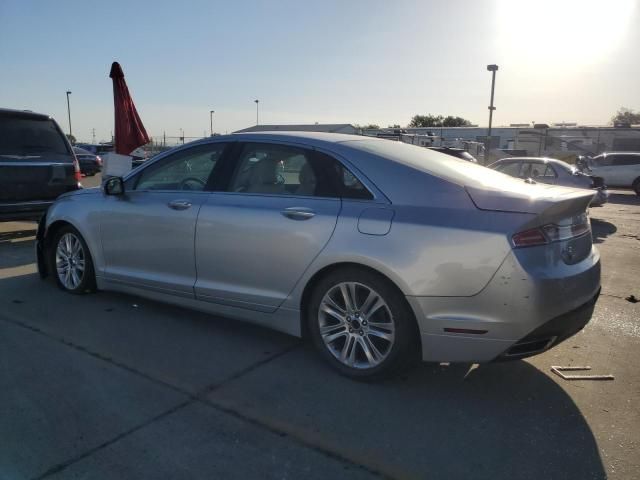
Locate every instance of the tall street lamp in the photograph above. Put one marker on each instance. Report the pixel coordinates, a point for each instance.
(487, 149)
(211, 112)
(257, 102)
(69, 112)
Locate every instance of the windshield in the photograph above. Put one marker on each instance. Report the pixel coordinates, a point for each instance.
(27, 137)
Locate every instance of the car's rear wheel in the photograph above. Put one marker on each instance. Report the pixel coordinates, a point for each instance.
(636, 186)
(70, 261)
(362, 324)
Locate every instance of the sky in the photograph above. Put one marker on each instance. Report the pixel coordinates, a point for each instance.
(330, 61)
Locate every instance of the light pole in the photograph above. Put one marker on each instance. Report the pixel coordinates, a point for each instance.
(69, 112)
(211, 112)
(182, 135)
(257, 102)
(487, 149)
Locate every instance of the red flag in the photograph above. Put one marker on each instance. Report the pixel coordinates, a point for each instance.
(130, 133)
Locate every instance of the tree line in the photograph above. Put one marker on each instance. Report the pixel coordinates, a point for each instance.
(624, 116)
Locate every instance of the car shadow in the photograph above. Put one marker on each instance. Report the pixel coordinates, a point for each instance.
(16, 235)
(17, 248)
(496, 421)
(601, 229)
(624, 198)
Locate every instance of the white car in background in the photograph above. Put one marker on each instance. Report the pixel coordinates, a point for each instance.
(618, 169)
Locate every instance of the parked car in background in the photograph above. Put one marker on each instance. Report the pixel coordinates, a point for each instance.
(618, 169)
(381, 251)
(96, 148)
(553, 172)
(455, 152)
(36, 164)
(90, 164)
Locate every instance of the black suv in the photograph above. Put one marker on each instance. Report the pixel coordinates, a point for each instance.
(36, 164)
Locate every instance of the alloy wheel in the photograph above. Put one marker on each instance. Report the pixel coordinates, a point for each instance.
(356, 325)
(70, 261)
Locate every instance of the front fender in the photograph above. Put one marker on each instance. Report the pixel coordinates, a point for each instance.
(83, 213)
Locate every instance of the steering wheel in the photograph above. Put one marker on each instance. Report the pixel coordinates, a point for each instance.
(190, 182)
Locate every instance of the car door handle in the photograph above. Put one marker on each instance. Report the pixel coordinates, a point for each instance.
(180, 204)
(298, 213)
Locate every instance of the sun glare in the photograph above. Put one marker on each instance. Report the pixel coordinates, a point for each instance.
(572, 33)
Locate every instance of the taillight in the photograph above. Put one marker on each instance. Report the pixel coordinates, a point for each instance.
(98, 160)
(76, 168)
(554, 232)
(529, 238)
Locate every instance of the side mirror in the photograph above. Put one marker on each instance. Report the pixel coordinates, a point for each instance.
(114, 186)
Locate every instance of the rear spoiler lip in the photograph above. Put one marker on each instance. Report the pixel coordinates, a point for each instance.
(507, 201)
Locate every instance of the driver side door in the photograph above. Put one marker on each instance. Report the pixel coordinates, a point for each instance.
(148, 233)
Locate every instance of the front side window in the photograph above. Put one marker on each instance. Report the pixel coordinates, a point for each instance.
(549, 172)
(188, 169)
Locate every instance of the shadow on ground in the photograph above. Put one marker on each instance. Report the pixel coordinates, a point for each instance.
(17, 248)
(601, 229)
(497, 421)
(624, 199)
(16, 235)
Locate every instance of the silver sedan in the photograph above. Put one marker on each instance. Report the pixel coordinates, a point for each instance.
(553, 172)
(380, 252)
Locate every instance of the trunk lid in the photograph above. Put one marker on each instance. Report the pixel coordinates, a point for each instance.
(550, 201)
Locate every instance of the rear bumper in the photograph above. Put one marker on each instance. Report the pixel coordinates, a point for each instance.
(513, 308)
(24, 210)
(552, 333)
(602, 197)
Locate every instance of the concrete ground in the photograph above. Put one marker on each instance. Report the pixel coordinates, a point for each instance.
(111, 386)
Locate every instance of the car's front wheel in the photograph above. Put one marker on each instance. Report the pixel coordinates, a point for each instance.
(362, 324)
(70, 261)
(636, 186)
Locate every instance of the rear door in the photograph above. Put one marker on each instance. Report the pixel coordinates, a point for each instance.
(36, 162)
(254, 241)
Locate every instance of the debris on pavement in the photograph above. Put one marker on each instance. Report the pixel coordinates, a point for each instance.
(558, 371)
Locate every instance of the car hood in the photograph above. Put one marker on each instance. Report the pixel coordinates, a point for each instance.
(82, 191)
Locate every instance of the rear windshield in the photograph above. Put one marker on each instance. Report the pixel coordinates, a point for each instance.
(26, 137)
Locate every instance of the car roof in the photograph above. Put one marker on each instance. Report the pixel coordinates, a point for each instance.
(452, 149)
(8, 112)
(618, 153)
(81, 150)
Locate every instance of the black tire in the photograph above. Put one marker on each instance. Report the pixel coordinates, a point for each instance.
(636, 186)
(405, 348)
(87, 282)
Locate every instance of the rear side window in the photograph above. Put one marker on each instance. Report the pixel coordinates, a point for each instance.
(346, 183)
(27, 137)
(287, 170)
(537, 170)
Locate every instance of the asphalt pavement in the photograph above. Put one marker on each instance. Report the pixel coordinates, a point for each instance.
(113, 386)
